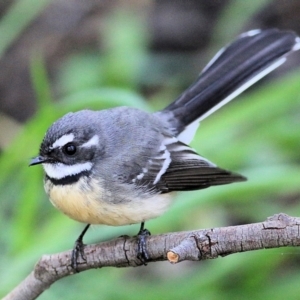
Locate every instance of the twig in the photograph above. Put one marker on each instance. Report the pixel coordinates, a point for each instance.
(278, 231)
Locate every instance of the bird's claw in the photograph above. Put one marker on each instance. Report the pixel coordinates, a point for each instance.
(143, 255)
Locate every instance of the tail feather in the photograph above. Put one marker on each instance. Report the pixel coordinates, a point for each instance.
(234, 68)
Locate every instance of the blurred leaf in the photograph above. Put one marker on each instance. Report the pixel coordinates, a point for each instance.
(20, 14)
(239, 13)
(124, 49)
(40, 82)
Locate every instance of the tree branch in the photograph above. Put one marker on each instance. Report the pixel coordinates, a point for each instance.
(277, 231)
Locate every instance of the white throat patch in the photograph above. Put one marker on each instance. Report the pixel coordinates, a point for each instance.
(60, 170)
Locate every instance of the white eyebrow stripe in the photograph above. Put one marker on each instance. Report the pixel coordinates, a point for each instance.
(94, 141)
(60, 170)
(63, 140)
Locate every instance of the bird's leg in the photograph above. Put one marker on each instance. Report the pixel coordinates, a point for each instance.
(142, 249)
(79, 249)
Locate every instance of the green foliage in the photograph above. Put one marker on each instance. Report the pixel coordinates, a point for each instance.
(20, 14)
(257, 135)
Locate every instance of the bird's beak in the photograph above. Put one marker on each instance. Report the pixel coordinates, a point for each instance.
(37, 160)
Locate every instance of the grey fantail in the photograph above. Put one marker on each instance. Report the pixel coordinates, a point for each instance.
(120, 166)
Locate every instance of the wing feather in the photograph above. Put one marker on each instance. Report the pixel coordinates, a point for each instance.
(177, 167)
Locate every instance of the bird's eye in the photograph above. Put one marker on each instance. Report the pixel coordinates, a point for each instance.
(69, 149)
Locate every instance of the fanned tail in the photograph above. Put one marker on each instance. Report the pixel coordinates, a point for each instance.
(234, 68)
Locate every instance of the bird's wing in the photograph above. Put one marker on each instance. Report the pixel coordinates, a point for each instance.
(177, 167)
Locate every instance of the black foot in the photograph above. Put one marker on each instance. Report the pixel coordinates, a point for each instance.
(78, 250)
(143, 255)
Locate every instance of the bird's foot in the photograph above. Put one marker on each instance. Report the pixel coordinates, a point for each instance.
(143, 255)
(78, 250)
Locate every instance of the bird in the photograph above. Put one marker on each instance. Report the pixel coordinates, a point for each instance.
(122, 165)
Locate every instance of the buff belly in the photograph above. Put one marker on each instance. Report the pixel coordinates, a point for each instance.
(95, 207)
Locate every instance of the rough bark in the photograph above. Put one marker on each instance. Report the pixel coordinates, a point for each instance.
(277, 231)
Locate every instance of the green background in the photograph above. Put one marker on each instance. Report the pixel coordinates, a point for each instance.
(256, 135)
